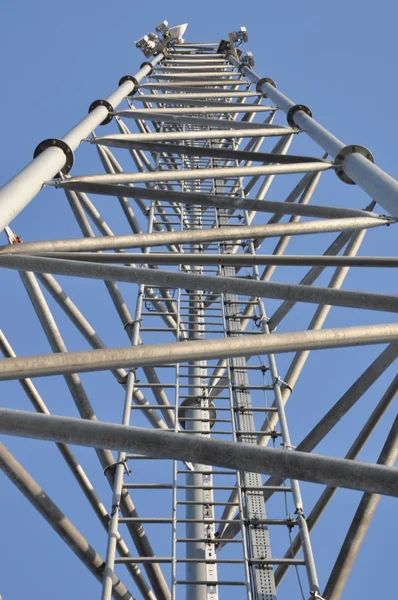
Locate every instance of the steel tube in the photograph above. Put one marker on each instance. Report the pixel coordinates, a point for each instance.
(336, 413)
(86, 411)
(172, 279)
(296, 493)
(354, 393)
(164, 69)
(113, 533)
(21, 189)
(300, 359)
(185, 237)
(373, 180)
(195, 571)
(187, 174)
(167, 258)
(188, 84)
(195, 96)
(279, 208)
(225, 153)
(157, 354)
(360, 524)
(119, 140)
(200, 98)
(336, 282)
(338, 472)
(352, 454)
(227, 76)
(80, 476)
(204, 122)
(58, 521)
(149, 113)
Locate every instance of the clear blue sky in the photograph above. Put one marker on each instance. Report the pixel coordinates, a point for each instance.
(56, 58)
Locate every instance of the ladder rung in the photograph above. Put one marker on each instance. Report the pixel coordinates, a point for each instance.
(208, 503)
(208, 420)
(206, 540)
(148, 486)
(212, 472)
(252, 561)
(168, 329)
(144, 457)
(210, 583)
(237, 432)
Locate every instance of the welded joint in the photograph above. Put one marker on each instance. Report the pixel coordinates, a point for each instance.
(123, 380)
(115, 509)
(56, 143)
(133, 79)
(260, 83)
(292, 111)
(342, 155)
(107, 105)
(288, 446)
(128, 326)
(147, 64)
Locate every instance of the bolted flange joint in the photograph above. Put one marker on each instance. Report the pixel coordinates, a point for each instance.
(147, 64)
(342, 155)
(130, 78)
(292, 111)
(107, 105)
(56, 143)
(260, 83)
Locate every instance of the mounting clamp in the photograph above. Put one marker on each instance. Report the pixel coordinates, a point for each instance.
(292, 111)
(56, 143)
(133, 79)
(342, 155)
(147, 64)
(264, 80)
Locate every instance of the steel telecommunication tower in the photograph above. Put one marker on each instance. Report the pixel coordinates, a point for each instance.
(207, 487)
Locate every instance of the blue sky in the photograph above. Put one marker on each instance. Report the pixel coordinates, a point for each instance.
(340, 60)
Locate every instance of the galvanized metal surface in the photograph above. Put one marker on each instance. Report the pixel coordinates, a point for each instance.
(201, 361)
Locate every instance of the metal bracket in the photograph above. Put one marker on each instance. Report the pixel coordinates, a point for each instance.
(107, 105)
(279, 380)
(342, 155)
(147, 64)
(114, 465)
(12, 238)
(56, 143)
(291, 112)
(130, 78)
(260, 83)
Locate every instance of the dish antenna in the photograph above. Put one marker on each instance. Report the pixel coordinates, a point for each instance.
(178, 31)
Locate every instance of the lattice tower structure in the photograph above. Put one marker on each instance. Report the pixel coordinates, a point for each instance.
(206, 498)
